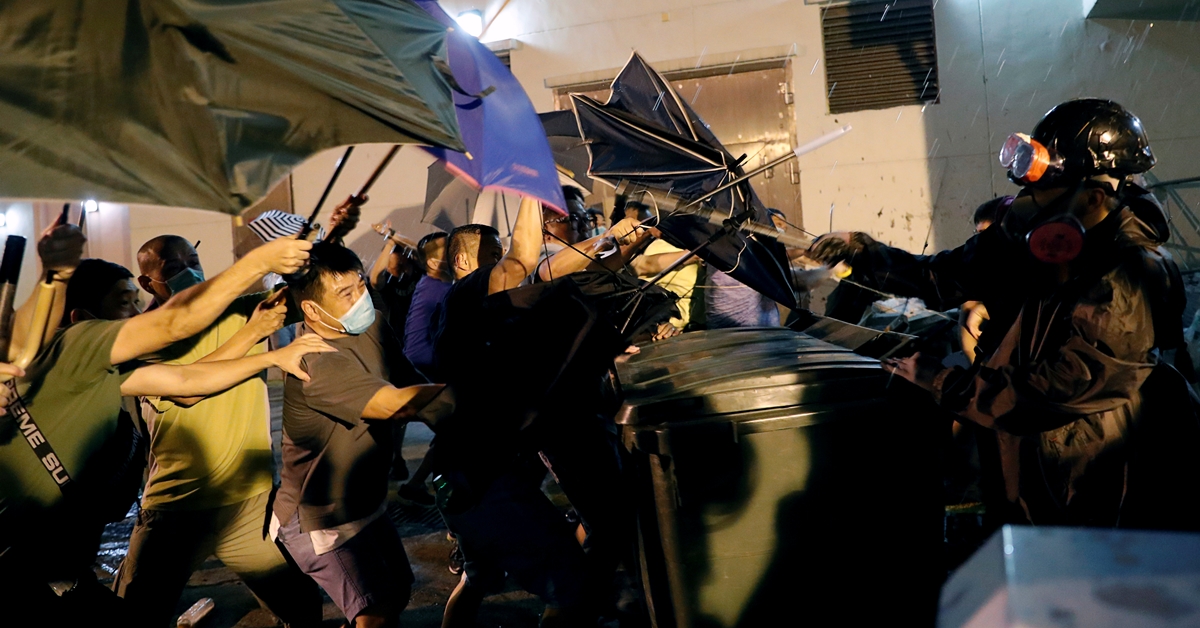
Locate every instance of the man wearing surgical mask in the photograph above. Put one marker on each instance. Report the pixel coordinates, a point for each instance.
(210, 464)
(338, 442)
(1093, 428)
(211, 467)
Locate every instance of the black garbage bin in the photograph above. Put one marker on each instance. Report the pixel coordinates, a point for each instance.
(783, 481)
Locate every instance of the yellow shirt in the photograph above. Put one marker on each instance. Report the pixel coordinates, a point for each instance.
(217, 452)
(681, 282)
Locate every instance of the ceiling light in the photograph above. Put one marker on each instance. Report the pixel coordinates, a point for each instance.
(91, 206)
(471, 22)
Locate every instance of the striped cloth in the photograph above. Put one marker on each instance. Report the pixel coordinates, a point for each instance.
(274, 224)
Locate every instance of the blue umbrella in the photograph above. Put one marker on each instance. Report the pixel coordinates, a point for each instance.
(506, 143)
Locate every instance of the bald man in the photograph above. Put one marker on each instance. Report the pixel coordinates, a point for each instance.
(211, 466)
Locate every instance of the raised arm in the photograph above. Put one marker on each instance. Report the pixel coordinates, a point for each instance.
(649, 265)
(943, 280)
(59, 249)
(206, 378)
(193, 310)
(584, 255)
(524, 250)
(268, 318)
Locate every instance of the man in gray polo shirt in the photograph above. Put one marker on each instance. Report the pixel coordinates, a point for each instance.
(338, 444)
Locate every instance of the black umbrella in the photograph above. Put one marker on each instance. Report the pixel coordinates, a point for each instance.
(207, 103)
(630, 141)
(642, 92)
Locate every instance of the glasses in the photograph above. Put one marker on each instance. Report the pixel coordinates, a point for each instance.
(590, 220)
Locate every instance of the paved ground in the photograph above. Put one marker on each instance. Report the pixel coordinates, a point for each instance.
(424, 538)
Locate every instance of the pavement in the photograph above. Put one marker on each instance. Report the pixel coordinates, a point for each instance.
(424, 537)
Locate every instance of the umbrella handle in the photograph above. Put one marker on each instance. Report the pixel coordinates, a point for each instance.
(337, 172)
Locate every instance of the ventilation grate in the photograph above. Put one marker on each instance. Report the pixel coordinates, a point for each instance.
(879, 55)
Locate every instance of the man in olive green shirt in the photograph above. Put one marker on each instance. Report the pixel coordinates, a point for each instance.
(71, 392)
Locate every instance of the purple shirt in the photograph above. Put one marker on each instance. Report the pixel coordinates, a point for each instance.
(418, 328)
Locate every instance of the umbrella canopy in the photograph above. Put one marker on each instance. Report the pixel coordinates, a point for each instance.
(451, 201)
(629, 139)
(207, 103)
(506, 148)
(642, 92)
(569, 152)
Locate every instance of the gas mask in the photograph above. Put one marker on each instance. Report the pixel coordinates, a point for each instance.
(1054, 234)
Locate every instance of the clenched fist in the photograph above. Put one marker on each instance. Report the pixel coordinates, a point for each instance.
(283, 256)
(61, 248)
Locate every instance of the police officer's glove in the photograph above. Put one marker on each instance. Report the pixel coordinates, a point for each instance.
(839, 246)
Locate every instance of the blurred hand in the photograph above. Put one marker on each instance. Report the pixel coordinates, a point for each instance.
(916, 368)
(60, 248)
(839, 246)
(438, 409)
(268, 316)
(283, 256)
(664, 331)
(288, 358)
(345, 217)
(384, 228)
(7, 394)
(626, 231)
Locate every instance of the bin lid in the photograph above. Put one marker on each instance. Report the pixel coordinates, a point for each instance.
(739, 371)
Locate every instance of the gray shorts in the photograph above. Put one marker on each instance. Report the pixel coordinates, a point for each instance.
(371, 569)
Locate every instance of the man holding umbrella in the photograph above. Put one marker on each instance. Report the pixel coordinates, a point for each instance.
(487, 476)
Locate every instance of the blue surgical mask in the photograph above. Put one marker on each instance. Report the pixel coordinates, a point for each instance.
(185, 279)
(358, 318)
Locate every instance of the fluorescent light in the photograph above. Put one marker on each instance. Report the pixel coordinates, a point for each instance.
(91, 206)
(471, 22)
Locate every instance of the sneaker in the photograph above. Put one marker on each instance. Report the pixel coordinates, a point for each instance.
(413, 495)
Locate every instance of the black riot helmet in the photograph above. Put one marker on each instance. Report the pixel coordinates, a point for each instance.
(1076, 140)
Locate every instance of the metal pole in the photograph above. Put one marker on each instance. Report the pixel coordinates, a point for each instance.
(337, 172)
(798, 151)
(757, 171)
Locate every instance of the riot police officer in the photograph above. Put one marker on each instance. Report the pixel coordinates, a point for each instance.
(1091, 425)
